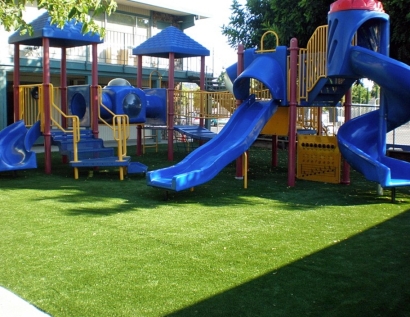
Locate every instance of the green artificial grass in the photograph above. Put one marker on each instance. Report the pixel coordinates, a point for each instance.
(98, 246)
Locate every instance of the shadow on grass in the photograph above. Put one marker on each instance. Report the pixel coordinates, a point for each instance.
(366, 275)
(132, 194)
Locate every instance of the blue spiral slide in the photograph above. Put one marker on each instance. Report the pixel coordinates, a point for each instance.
(238, 134)
(16, 142)
(362, 140)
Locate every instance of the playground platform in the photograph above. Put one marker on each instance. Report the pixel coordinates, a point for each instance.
(195, 132)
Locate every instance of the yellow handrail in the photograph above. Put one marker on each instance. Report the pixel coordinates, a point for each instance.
(312, 62)
(159, 77)
(31, 97)
(31, 109)
(75, 126)
(120, 127)
(262, 50)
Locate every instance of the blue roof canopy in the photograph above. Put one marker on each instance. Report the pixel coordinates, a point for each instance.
(171, 40)
(69, 36)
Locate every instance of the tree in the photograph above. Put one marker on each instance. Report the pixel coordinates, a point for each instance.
(400, 29)
(246, 24)
(360, 95)
(60, 11)
(288, 18)
(299, 18)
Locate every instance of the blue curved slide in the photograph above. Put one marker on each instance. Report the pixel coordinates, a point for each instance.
(16, 142)
(209, 159)
(362, 140)
(238, 134)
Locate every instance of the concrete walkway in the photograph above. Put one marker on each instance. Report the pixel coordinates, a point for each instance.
(13, 306)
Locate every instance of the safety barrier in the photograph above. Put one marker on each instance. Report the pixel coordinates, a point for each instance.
(193, 106)
(31, 97)
(312, 62)
(32, 106)
(56, 114)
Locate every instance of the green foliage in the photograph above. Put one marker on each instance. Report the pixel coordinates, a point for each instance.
(299, 18)
(60, 11)
(246, 24)
(400, 29)
(375, 91)
(360, 95)
(221, 77)
(290, 18)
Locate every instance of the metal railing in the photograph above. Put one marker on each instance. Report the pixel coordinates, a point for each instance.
(32, 108)
(116, 49)
(120, 126)
(312, 61)
(193, 106)
(30, 97)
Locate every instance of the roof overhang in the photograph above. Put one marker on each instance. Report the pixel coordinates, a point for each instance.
(171, 7)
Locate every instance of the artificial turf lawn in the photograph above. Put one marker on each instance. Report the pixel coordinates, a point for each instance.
(98, 246)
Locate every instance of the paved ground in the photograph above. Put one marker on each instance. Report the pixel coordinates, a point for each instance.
(13, 306)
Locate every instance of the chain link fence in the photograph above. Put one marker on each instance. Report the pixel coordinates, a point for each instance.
(333, 118)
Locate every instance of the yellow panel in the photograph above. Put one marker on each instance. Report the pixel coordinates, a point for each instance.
(279, 123)
(318, 159)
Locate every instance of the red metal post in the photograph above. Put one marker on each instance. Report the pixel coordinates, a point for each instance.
(171, 106)
(63, 85)
(94, 91)
(319, 121)
(63, 92)
(47, 105)
(202, 74)
(139, 85)
(348, 115)
(239, 70)
(294, 49)
(16, 80)
(275, 150)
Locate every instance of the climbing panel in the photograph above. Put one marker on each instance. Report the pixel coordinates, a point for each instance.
(318, 158)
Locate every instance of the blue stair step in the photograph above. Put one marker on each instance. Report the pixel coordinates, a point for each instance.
(68, 145)
(88, 147)
(92, 153)
(329, 91)
(89, 153)
(102, 161)
(137, 168)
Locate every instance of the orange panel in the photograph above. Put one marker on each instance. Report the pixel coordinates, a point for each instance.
(279, 123)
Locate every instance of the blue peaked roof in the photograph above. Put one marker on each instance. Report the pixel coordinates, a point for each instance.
(69, 36)
(170, 40)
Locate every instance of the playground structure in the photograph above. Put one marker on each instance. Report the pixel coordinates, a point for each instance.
(353, 45)
(69, 116)
(282, 95)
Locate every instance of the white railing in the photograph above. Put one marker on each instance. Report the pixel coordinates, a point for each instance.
(116, 49)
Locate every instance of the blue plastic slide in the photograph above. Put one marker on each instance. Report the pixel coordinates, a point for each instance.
(16, 142)
(208, 160)
(361, 141)
(241, 130)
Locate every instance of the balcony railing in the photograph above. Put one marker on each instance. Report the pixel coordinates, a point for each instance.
(116, 50)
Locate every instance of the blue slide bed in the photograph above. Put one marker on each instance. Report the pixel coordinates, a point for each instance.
(360, 138)
(208, 160)
(238, 134)
(16, 142)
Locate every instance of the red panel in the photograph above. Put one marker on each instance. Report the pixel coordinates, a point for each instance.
(343, 5)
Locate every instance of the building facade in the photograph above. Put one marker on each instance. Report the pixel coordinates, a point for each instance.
(131, 24)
